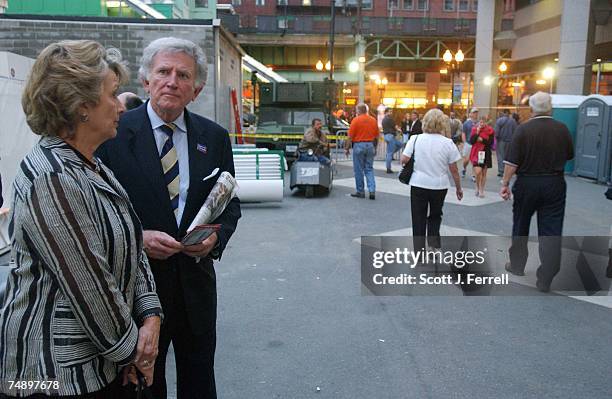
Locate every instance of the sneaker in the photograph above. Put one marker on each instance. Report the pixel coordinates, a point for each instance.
(372, 196)
(473, 179)
(463, 173)
(390, 171)
(358, 195)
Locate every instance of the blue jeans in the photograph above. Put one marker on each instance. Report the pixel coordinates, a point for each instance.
(393, 145)
(363, 164)
(314, 158)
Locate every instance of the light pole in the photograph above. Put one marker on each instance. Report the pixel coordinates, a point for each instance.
(382, 86)
(502, 68)
(549, 74)
(453, 64)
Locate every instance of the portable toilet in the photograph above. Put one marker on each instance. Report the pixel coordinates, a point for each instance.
(594, 139)
(565, 109)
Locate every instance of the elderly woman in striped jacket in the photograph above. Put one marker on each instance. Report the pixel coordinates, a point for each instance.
(80, 315)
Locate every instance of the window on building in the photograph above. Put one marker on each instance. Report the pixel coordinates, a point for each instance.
(282, 2)
(236, 2)
(474, 5)
(422, 5)
(449, 5)
(464, 5)
(284, 22)
(201, 3)
(394, 4)
(445, 77)
(260, 2)
(419, 77)
(306, 3)
(402, 77)
(408, 4)
(366, 4)
(395, 23)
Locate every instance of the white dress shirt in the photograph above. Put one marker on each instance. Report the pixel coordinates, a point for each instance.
(179, 138)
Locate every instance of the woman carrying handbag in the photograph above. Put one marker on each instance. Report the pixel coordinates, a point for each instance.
(433, 158)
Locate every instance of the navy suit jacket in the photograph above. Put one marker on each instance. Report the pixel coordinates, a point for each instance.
(134, 159)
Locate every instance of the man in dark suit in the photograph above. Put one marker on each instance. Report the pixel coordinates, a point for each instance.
(415, 126)
(161, 155)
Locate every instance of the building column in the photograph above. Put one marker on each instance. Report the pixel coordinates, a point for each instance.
(577, 35)
(487, 56)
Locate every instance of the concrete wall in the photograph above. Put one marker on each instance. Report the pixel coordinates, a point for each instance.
(538, 29)
(29, 37)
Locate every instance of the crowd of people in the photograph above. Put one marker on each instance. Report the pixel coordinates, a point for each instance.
(476, 138)
(535, 151)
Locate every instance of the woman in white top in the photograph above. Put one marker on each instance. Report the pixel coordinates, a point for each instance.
(434, 157)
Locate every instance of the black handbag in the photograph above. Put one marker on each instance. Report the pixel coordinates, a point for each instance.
(406, 173)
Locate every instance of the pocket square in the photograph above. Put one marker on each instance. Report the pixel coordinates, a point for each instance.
(202, 148)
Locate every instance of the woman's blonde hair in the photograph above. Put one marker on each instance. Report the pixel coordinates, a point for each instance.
(435, 121)
(65, 76)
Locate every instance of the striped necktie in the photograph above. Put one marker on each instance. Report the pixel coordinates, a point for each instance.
(170, 166)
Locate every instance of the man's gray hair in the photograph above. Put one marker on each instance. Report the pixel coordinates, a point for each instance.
(540, 103)
(362, 108)
(174, 45)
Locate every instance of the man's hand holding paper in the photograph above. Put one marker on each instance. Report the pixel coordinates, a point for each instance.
(202, 249)
(159, 245)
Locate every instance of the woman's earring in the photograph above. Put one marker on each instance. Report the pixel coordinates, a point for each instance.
(84, 118)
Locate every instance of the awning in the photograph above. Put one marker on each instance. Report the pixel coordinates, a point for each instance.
(251, 64)
(143, 9)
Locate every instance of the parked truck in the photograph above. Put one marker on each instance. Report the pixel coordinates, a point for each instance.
(286, 110)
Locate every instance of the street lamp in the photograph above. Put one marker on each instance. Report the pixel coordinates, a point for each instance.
(453, 66)
(382, 85)
(502, 68)
(319, 65)
(549, 73)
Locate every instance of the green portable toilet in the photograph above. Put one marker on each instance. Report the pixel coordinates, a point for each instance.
(565, 109)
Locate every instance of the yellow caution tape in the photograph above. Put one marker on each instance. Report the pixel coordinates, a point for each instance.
(297, 137)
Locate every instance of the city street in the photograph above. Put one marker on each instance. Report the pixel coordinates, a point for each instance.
(293, 323)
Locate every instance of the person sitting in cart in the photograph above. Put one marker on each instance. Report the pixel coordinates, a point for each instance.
(314, 139)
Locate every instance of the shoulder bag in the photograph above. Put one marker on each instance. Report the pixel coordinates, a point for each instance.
(406, 173)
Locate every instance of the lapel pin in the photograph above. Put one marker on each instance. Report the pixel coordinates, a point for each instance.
(202, 148)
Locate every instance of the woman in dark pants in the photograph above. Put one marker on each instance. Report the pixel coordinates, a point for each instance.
(434, 157)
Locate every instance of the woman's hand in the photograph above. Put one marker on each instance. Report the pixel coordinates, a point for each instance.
(129, 375)
(147, 347)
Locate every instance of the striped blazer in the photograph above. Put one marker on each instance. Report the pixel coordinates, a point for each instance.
(81, 284)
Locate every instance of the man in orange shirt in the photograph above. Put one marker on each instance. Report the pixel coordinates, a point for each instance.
(363, 132)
